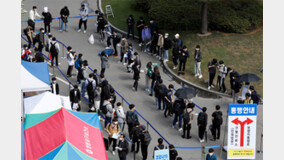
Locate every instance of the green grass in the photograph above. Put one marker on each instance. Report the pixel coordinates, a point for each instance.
(244, 53)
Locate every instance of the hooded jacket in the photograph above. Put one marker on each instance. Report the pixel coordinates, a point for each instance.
(109, 108)
(47, 16)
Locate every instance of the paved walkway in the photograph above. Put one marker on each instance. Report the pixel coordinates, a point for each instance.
(122, 81)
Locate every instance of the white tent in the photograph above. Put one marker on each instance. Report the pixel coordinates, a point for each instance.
(45, 102)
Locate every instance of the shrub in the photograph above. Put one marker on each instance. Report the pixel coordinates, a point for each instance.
(238, 16)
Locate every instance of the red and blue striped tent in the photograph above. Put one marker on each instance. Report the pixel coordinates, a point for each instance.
(63, 135)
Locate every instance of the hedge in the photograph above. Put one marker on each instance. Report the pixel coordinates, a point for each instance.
(237, 16)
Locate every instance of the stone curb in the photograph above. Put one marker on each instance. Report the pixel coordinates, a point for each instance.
(167, 69)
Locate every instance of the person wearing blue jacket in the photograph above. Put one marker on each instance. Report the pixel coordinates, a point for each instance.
(146, 38)
(211, 155)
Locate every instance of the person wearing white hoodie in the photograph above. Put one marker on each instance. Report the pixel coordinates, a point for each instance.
(120, 114)
(84, 16)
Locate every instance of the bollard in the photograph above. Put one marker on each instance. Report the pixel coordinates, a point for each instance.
(203, 153)
(147, 125)
(260, 151)
(59, 23)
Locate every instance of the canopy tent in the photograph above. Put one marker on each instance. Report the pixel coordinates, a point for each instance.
(64, 135)
(34, 77)
(45, 102)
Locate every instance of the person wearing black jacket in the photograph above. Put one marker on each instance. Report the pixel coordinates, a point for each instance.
(135, 136)
(130, 26)
(40, 39)
(254, 96)
(234, 81)
(115, 40)
(197, 62)
(167, 46)
(112, 96)
(212, 65)
(179, 107)
(64, 14)
(54, 86)
(144, 142)
(75, 96)
(175, 53)
(140, 26)
(131, 118)
(155, 78)
(47, 19)
(162, 91)
(38, 56)
(154, 41)
(136, 70)
(122, 147)
(173, 152)
(217, 121)
(184, 54)
(202, 123)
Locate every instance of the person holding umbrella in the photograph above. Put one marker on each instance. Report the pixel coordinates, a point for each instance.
(247, 78)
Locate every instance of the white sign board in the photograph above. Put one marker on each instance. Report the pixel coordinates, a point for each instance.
(242, 131)
(162, 154)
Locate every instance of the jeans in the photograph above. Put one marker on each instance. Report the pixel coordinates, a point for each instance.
(84, 22)
(62, 25)
(198, 68)
(122, 55)
(107, 121)
(168, 110)
(147, 82)
(221, 82)
(152, 86)
(83, 88)
(69, 71)
(195, 67)
(113, 144)
(54, 56)
(182, 65)
(166, 54)
(179, 121)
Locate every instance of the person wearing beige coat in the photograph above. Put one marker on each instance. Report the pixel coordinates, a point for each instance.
(113, 130)
(160, 45)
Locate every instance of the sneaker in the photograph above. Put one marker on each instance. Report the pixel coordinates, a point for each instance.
(200, 77)
(212, 86)
(195, 75)
(189, 137)
(124, 64)
(133, 88)
(180, 129)
(113, 152)
(79, 30)
(60, 30)
(140, 44)
(183, 136)
(145, 50)
(212, 139)
(175, 67)
(84, 31)
(151, 95)
(166, 60)
(173, 126)
(209, 88)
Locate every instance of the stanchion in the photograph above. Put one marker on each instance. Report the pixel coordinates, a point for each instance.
(206, 136)
(52, 68)
(260, 151)
(221, 151)
(69, 87)
(147, 125)
(203, 153)
(59, 23)
(63, 55)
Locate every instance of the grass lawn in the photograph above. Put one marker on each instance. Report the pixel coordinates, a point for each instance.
(244, 53)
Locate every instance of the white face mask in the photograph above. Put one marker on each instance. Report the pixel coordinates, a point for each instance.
(115, 122)
(210, 154)
(120, 139)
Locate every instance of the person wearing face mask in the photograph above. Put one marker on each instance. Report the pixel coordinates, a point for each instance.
(84, 17)
(82, 76)
(211, 155)
(54, 86)
(39, 38)
(47, 19)
(122, 147)
(167, 46)
(26, 53)
(32, 16)
(70, 60)
(169, 99)
(75, 98)
(113, 131)
(197, 62)
(146, 38)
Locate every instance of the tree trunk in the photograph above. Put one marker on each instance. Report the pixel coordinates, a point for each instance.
(204, 23)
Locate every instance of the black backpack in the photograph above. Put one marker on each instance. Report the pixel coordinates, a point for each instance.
(131, 119)
(186, 117)
(177, 107)
(90, 87)
(219, 119)
(162, 90)
(147, 138)
(202, 119)
(103, 108)
(53, 48)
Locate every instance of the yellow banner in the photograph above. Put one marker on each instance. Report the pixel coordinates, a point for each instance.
(241, 152)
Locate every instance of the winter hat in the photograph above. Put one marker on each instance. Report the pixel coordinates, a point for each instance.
(177, 35)
(45, 9)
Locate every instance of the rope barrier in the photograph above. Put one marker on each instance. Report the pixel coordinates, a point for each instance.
(177, 147)
(60, 18)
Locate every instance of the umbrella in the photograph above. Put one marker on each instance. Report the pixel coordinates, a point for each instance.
(185, 93)
(248, 77)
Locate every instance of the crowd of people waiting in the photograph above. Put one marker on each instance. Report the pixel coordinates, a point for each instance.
(101, 95)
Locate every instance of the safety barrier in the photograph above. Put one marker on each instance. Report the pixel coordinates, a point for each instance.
(123, 99)
(67, 18)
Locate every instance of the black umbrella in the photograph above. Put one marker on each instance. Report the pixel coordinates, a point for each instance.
(248, 77)
(185, 93)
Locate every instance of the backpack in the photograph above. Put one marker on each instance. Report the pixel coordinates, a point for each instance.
(103, 108)
(201, 119)
(162, 90)
(218, 119)
(177, 107)
(131, 119)
(53, 48)
(147, 138)
(77, 63)
(90, 87)
(149, 73)
(186, 116)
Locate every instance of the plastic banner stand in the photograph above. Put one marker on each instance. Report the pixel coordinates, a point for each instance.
(162, 154)
(92, 39)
